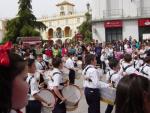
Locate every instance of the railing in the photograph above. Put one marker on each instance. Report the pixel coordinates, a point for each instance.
(113, 13)
(144, 11)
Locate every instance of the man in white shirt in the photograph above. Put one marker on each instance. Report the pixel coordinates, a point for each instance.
(70, 65)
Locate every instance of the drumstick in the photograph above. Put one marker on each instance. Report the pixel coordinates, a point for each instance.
(67, 97)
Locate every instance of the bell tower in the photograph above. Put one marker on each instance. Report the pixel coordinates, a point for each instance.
(65, 8)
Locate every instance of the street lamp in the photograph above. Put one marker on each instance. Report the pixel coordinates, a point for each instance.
(88, 7)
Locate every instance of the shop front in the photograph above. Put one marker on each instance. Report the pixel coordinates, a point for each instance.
(144, 29)
(113, 30)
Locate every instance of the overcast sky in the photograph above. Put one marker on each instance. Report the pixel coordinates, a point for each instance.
(9, 8)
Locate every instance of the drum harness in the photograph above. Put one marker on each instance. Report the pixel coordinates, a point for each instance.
(125, 68)
(29, 82)
(62, 84)
(110, 76)
(142, 70)
(87, 78)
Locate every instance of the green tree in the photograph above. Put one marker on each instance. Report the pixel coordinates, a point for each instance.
(24, 24)
(86, 28)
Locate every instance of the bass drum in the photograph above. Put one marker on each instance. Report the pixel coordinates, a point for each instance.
(73, 95)
(49, 97)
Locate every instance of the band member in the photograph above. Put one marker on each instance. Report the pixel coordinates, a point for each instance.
(113, 77)
(40, 67)
(145, 70)
(13, 85)
(127, 67)
(137, 62)
(70, 65)
(92, 84)
(57, 85)
(34, 104)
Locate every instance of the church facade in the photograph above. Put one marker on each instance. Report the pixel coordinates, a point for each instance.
(64, 25)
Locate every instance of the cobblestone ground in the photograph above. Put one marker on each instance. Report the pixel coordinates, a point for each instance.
(82, 107)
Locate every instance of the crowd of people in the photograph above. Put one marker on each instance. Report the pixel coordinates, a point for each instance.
(124, 65)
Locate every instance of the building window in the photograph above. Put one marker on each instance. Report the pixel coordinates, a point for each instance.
(62, 8)
(78, 20)
(62, 13)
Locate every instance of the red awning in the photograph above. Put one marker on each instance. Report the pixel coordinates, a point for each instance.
(32, 43)
(113, 24)
(144, 22)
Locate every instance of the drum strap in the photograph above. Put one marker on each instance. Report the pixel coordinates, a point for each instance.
(62, 84)
(53, 75)
(125, 68)
(110, 75)
(142, 70)
(88, 79)
(30, 85)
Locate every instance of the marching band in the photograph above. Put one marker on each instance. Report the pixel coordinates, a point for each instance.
(52, 84)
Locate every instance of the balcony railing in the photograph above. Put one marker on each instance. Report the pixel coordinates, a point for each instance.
(144, 11)
(115, 13)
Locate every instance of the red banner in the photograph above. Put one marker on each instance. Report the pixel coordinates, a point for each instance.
(144, 22)
(113, 24)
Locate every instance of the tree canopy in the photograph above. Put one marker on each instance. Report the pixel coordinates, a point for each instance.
(86, 28)
(24, 24)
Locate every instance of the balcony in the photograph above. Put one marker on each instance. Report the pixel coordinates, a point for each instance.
(115, 13)
(144, 11)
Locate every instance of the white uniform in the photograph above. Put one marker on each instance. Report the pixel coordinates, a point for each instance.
(91, 72)
(40, 65)
(142, 53)
(33, 86)
(128, 68)
(145, 70)
(113, 76)
(69, 63)
(56, 78)
(137, 64)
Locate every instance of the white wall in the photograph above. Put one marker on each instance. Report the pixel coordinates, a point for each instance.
(130, 28)
(98, 32)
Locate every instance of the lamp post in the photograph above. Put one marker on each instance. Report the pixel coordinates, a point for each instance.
(88, 7)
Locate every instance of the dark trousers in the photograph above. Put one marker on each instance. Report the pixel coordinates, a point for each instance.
(93, 100)
(59, 108)
(104, 67)
(72, 76)
(33, 106)
(109, 108)
(98, 59)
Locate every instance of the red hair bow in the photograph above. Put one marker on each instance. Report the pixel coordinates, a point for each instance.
(4, 58)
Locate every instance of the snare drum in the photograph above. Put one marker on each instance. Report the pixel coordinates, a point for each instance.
(48, 96)
(73, 95)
